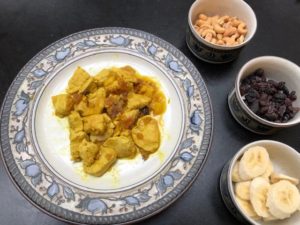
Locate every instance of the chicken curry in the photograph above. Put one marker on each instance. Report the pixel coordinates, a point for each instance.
(111, 115)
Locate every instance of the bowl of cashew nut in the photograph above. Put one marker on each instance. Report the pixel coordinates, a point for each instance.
(219, 29)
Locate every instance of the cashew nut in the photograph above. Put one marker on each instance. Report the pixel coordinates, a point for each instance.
(200, 22)
(242, 28)
(228, 40)
(235, 22)
(205, 32)
(208, 37)
(206, 26)
(202, 17)
(219, 36)
(224, 30)
(219, 29)
(229, 32)
(241, 39)
(225, 18)
(220, 42)
(213, 41)
(235, 36)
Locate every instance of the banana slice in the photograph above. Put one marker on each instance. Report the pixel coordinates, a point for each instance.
(275, 177)
(270, 218)
(242, 190)
(235, 172)
(269, 170)
(259, 188)
(253, 163)
(283, 199)
(247, 208)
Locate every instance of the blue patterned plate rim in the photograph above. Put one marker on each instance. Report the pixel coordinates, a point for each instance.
(66, 203)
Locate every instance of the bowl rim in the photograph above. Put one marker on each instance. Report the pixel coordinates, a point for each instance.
(233, 161)
(222, 47)
(243, 104)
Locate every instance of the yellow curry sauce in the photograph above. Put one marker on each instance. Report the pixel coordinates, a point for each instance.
(111, 115)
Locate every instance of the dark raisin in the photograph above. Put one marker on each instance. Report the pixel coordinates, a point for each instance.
(244, 89)
(263, 96)
(271, 116)
(263, 102)
(273, 83)
(281, 110)
(145, 110)
(293, 96)
(263, 110)
(259, 72)
(287, 102)
(254, 106)
(279, 97)
(286, 90)
(269, 99)
(281, 84)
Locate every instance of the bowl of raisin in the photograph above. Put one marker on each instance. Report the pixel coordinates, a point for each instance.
(264, 99)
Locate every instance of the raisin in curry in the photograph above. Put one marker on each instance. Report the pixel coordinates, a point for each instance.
(111, 116)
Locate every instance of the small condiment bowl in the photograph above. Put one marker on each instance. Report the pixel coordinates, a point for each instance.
(214, 53)
(276, 68)
(285, 160)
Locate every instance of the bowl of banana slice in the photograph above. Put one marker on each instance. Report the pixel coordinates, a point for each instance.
(260, 184)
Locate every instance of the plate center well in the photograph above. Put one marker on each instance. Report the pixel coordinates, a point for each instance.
(51, 133)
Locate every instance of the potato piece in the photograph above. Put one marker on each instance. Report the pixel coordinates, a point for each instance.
(63, 104)
(159, 103)
(93, 104)
(88, 152)
(75, 121)
(136, 101)
(146, 134)
(124, 146)
(96, 124)
(75, 139)
(79, 81)
(106, 159)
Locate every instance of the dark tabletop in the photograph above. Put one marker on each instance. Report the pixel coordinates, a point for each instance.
(26, 27)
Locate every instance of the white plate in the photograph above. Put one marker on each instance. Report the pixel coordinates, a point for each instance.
(35, 143)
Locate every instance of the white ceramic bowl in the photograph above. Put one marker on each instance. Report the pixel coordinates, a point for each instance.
(285, 160)
(275, 68)
(216, 53)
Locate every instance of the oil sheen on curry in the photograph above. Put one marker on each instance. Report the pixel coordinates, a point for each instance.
(111, 115)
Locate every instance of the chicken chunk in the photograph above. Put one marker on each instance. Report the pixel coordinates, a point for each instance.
(97, 124)
(63, 104)
(127, 73)
(88, 152)
(92, 104)
(128, 119)
(146, 134)
(108, 133)
(106, 159)
(79, 82)
(136, 101)
(75, 140)
(124, 146)
(75, 121)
